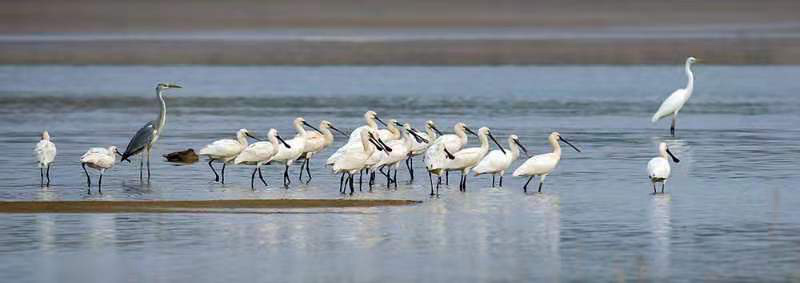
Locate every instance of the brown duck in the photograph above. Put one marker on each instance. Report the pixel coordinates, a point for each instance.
(187, 156)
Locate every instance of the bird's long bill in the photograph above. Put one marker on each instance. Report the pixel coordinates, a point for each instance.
(312, 127)
(381, 121)
(436, 130)
(673, 156)
(174, 86)
(377, 146)
(570, 144)
(417, 137)
(385, 147)
(497, 143)
(397, 123)
(120, 154)
(525, 150)
(283, 141)
(335, 129)
(470, 131)
(251, 136)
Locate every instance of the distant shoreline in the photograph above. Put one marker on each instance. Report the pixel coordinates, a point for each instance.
(188, 206)
(768, 51)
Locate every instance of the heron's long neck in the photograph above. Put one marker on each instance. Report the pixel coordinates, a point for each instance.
(162, 115)
(690, 76)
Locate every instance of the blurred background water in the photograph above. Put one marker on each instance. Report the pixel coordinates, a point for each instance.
(730, 212)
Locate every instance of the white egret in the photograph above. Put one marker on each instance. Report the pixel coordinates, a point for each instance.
(464, 160)
(354, 142)
(260, 153)
(420, 146)
(354, 160)
(287, 155)
(658, 168)
(543, 164)
(315, 143)
(497, 161)
(100, 159)
(144, 139)
(442, 148)
(225, 150)
(400, 151)
(45, 152)
(677, 99)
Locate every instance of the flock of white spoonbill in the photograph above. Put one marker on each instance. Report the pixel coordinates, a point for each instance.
(369, 149)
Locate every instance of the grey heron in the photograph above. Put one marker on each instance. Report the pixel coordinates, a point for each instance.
(144, 139)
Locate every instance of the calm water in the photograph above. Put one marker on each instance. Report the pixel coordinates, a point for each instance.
(731, 212)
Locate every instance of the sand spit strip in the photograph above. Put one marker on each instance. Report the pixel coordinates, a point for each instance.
(187, 206)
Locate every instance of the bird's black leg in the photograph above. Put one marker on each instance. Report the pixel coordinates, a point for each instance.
(501, 180)
(148, 164)
(223, 171)
(41, 176)
(492, 180)
(48, 174)
(141, 168)
(262, 177)
(654, 188)
(352, 190)
(395, 177)
(286, 180)
(662, 186)
(430, 178)
(447, 177)
(100, 183)
(541, 182)
(672, 127)
(253, 178)
(308, 164)
(525, 188)
(88, 180)
(216, 176)
(341, 184)
(301, 169)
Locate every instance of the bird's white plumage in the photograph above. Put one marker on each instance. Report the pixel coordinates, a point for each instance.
(400, 150)
(658, 168)
(354, 142)
(100, 158)
(355, 159)
(467, 158)
(435, 156)
(419, 147)
(261, 152)
(289, 155)
(45, 151)
(226, 149)
(496, 162)
(673, 104)
(542, 164)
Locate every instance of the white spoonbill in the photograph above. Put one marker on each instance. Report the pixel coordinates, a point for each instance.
(543, 164)
(45, 152)
(145, 137)
(225, 150)
(465, 159)
(287, 155)
(658, 168)
(442, 148)
(353, 160)
(378, 155)
(260, 153)
(497, 161)
(400, 151)
(354, 142)
(316, 142)
(100, 159)
(677, 99)
(431, 134)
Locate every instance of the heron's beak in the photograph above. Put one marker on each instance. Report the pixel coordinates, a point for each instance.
(566, 141)
(497, 143)
(436, 130)
(283, 141)
(251, 136)
(174, 86)
(470, 131)
(417, 137)
(381, 121)
(312, 127)
(525, 150)
(120, 154)
(337, 130)
(385, 147)
(675, 159)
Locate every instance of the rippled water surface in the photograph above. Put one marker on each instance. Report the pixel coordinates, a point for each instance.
(731, 211)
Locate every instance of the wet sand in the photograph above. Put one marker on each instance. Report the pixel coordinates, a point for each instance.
(187, 206)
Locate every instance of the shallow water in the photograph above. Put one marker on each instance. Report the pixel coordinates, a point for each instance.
(730, 212)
